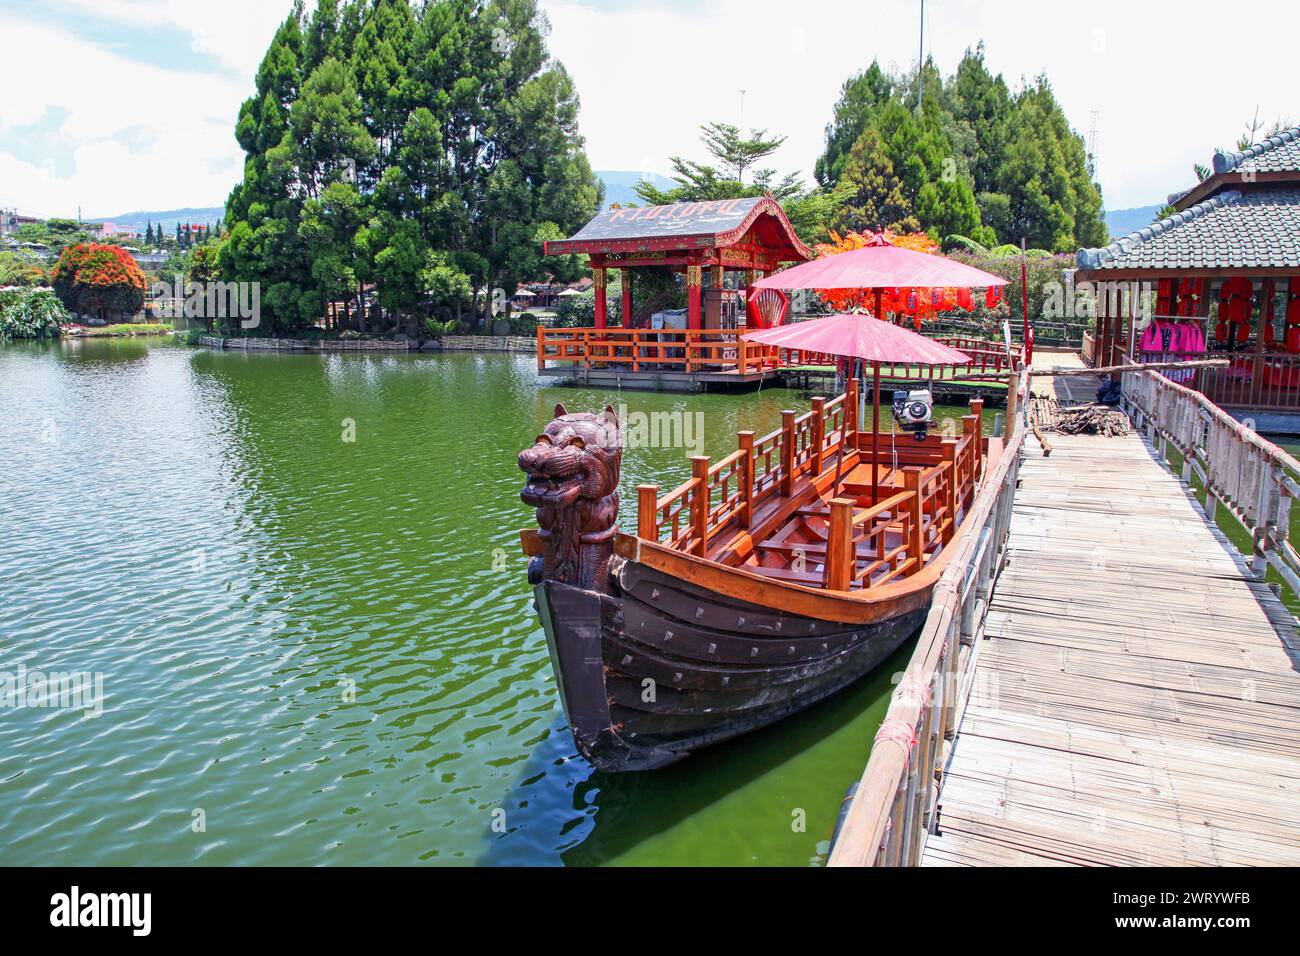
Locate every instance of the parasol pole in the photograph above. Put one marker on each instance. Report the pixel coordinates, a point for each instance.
(844, 431)
(875, 437)
(875, 417)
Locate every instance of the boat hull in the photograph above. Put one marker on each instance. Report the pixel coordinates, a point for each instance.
(656, 668)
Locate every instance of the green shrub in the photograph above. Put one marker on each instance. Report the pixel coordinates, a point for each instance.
(438, 329)
(523, 324)
(31, 314)
(579, 311)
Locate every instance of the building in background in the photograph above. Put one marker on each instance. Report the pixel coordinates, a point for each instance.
(10, 220)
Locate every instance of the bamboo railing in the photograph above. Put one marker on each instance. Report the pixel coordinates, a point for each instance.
(937, 480)
(1250, 477)
(894, 807)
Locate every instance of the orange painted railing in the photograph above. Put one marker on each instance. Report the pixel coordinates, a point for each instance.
(724, 495)
(677, 350)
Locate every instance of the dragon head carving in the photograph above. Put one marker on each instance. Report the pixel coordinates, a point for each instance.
(573, 471)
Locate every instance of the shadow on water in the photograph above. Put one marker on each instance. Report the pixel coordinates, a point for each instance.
(562, 811)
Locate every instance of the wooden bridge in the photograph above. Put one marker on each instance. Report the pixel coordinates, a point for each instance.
(1127, 690)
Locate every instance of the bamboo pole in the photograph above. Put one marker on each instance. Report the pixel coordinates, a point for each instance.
(1139, 367)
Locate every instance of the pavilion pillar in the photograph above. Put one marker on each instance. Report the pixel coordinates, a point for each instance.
(694, 298)
(627, 297)
(719, 279)
(598, 278)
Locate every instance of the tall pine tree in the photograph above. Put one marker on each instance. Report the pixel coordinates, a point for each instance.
(976, 160)
(425, 148)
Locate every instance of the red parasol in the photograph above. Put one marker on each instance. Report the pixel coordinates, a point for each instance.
(869, 339)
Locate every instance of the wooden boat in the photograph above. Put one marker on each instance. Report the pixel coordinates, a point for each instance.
(771, 579)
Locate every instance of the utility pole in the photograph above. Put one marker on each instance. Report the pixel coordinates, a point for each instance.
(920, 62)
(742, 111)
(1092, 146)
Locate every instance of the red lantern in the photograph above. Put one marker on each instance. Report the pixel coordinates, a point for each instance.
(992, 296)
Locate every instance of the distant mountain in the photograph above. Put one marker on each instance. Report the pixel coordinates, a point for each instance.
(619, 185)
(1123, 221)
(169, 218)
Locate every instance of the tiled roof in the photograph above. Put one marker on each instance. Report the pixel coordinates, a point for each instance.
(1232, 229)
(694, 225)
(1277, 154)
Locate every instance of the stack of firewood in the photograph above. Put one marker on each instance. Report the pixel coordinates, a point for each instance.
(1047, 414)
(1092, 419)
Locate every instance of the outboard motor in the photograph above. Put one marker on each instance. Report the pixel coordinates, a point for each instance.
(914, 411)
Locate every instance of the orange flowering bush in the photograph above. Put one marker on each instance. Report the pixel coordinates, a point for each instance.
(920, 304)
(98, 278)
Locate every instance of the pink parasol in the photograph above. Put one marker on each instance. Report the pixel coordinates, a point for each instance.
(880, 265)
(862, 337)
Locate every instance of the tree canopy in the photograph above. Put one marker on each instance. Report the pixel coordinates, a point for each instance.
(733, 153)
(426, 149)
(977, 160)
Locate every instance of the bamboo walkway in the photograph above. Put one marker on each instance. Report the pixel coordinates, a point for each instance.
(1136, 696)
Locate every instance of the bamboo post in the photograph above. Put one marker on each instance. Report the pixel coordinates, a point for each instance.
(700, 503)
(912, 484)
(647, 512)
(818, 433)
(787, 453)
(840, 562)
(977, 412)
(746, 441)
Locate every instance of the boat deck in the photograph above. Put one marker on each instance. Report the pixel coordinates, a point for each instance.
(1136, 699)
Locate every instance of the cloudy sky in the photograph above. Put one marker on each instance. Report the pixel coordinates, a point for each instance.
(122, 105)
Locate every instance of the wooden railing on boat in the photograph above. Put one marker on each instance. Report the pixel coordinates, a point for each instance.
(894, 806)
(938, 479)
(1250, 477)
(694, 350)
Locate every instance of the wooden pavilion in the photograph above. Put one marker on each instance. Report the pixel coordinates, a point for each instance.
(1223, 273)
(705, 243)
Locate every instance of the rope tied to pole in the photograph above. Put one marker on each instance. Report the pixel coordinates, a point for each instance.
(895, 730)
(916, 688)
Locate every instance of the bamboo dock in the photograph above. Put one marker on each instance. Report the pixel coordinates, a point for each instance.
(1132, 695)
(1136, 700)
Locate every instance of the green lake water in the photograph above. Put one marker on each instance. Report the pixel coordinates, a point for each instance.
(321, 651)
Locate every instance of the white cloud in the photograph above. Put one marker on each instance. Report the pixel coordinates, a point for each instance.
(649, 75)
(184, 122)
(649, 72)
(235, 32)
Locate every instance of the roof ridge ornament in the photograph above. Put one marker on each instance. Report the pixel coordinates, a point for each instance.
(1225, 162)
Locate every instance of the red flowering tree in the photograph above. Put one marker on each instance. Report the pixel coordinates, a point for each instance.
(98, 279)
